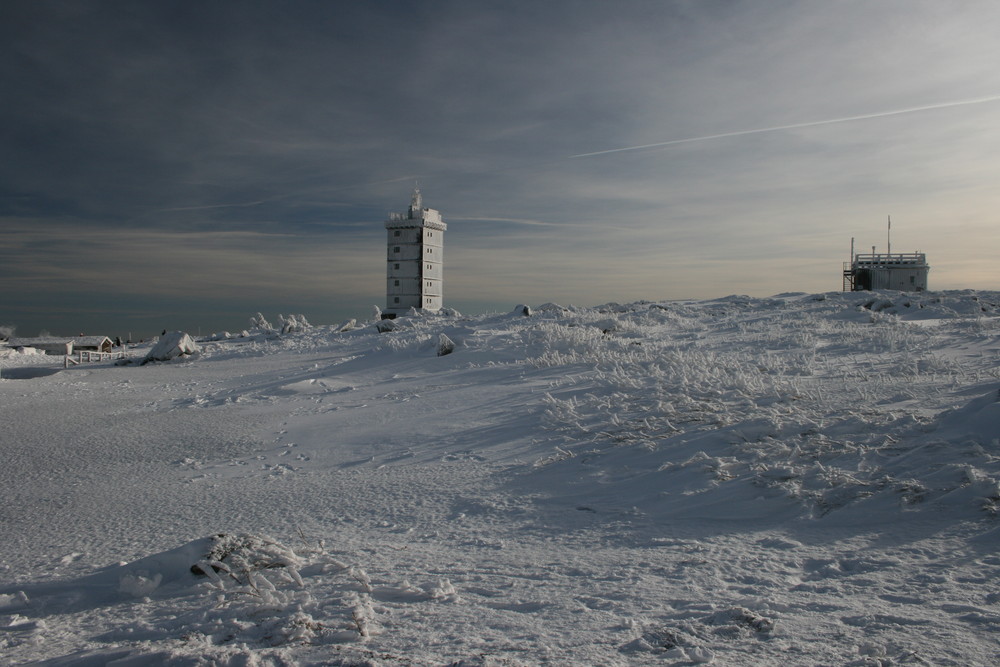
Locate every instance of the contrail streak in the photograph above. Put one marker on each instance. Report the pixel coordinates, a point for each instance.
(793, 126)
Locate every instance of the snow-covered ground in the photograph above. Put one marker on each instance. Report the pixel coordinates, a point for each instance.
(804, 479)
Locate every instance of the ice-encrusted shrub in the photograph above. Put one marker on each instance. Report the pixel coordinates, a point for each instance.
(263, 600)
(560, 344)
(293, 323)
(258, 321)
(803, 402)
(414, 340)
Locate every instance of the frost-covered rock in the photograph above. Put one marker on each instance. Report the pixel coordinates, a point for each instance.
(552, 308)
(346, 325)
(171, 346)
(385, 326)
(445, 345)
(244, 554)
(522, 309)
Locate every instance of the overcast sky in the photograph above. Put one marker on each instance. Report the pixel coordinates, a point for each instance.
(183, 165)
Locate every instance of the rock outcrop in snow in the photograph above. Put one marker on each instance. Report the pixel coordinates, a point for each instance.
(385, 326)
(172, 345)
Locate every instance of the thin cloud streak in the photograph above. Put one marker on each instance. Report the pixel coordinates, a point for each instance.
(516, 221)
(279, 198)
(792, 126)
(208, 207)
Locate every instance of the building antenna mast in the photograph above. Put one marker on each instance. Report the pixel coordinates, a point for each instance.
(888, 235)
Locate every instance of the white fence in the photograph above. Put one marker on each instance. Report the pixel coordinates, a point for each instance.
(92, 355)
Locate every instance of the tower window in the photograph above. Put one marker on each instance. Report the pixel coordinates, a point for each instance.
(395, 249)
(396, 233)
(396, 282)
(395, 266)
(395, 300)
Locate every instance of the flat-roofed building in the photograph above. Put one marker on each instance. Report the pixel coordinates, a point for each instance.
(902, 271)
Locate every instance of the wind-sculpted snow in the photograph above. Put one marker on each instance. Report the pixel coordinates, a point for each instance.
(825, 413)
(804, 479)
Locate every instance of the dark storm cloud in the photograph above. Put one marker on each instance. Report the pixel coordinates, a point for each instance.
(294, 127)
(128, 107)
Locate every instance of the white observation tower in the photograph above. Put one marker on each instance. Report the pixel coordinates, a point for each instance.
(415, 255)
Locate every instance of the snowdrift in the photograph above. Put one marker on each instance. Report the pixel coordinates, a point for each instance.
(740, 481)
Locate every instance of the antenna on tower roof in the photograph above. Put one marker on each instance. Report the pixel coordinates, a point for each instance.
(888, 235)
(416, 202)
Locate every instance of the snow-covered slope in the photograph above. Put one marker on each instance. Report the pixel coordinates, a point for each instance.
(805, 479)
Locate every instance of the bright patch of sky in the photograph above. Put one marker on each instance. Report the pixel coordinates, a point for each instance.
(183, 165)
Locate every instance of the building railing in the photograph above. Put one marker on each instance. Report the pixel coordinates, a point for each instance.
(890, 259)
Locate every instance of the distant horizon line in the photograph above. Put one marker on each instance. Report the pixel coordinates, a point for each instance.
(10, 330)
